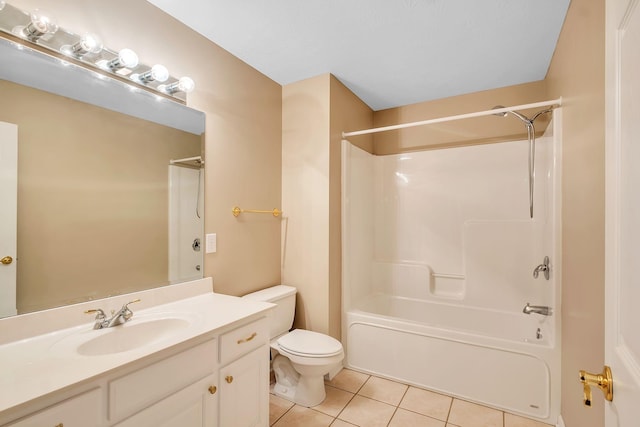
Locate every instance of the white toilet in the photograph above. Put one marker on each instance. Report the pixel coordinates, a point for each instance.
(302, 358)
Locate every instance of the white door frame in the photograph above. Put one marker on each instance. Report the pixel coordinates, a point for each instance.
(8, 216)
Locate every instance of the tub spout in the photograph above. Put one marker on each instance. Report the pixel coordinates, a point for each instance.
(538, 309)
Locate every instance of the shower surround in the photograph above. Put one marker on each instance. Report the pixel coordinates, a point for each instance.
(438, 260)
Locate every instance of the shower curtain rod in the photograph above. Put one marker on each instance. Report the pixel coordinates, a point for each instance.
(551, 103)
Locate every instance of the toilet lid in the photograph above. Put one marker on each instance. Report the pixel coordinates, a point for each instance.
(308, 343)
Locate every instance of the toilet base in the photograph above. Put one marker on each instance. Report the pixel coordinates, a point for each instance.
(302, 390)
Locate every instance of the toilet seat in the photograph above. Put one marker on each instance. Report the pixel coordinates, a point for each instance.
(303, 343)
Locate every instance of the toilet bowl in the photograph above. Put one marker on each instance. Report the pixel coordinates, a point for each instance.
(300, 358)
(311, 355)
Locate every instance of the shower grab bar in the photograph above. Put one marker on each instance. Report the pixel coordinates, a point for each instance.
(551, 103)
(237, 211)
(448, 276)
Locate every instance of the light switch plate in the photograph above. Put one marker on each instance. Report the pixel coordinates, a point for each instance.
(212, 243)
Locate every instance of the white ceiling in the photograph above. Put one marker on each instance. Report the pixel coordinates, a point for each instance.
(388, 52)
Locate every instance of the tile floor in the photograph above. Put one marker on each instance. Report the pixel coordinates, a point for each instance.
(357, 399)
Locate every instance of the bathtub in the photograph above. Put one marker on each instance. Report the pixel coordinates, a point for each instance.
(506, 360)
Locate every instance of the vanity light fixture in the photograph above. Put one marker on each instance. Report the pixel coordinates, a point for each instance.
(184, 84)
(89, 43)
(26, 29)
(157, 73)
(126, 59)
(40, 25)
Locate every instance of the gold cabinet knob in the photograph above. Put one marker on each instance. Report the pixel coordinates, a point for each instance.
(6, 261)
(603, 381)
(228, 379)
(213, 389)
(59, 425)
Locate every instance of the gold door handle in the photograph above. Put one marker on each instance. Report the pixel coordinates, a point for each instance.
(228, 379)
(249, 338)
(603, 381)
(6, 261)
(213, 389)
(59, 425)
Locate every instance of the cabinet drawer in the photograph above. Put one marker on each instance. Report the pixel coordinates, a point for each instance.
(79, 411)
(143, 387)
(243, 339)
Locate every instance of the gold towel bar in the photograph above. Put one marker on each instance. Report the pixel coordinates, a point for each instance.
(237, 211)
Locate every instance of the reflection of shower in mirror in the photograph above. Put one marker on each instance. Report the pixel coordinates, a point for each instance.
(185, 218)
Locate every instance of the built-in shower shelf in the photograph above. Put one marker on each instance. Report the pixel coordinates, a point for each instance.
(450, 286)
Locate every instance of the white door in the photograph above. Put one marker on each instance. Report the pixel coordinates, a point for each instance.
(622, 286)
(8, 216)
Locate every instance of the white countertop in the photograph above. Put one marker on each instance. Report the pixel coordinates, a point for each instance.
(37, 365)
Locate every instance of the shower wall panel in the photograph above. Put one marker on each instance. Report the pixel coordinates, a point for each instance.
(451, 225)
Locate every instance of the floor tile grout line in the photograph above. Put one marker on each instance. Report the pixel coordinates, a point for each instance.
(347, 404)
(398, 406)
(283, 414)
(449, 411)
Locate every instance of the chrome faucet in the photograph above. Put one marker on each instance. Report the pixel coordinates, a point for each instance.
(544, 268)
(538, 309)
(118, 317)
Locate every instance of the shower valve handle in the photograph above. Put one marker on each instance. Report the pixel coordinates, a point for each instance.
(544, 268)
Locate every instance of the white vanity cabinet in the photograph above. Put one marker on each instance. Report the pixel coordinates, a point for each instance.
(80, 411)
(212, 373)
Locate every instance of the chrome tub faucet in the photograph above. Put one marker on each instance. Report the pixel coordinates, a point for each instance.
(538, 309)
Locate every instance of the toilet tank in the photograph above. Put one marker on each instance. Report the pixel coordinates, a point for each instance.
(284, 297)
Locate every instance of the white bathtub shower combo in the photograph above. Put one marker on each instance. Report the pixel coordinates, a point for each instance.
(439, 252)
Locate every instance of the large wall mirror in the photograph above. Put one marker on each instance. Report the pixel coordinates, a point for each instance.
(109, 191)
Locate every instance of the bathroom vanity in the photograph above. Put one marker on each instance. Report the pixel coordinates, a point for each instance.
(187, 357)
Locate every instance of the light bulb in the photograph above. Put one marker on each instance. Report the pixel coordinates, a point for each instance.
(185, 84)
(89, 43)
(41, 24)
(158, 73)
(126, 59)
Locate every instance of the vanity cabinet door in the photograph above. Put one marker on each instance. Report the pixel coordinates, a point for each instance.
(193, 406)
(244, 391)
(149, 384)
(80, 411)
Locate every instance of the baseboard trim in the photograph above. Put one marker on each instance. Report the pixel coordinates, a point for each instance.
(560, 422)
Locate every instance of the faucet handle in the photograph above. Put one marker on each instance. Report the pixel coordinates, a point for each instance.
(131, 302)
(96, 310)
(101, 318)
(126, 311)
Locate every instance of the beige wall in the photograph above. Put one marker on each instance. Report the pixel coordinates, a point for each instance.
(243, 136)
(315, 112)
(93, 198)
(305, 198)
(577, 74)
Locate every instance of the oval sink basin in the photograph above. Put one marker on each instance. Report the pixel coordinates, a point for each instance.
(131, 335)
